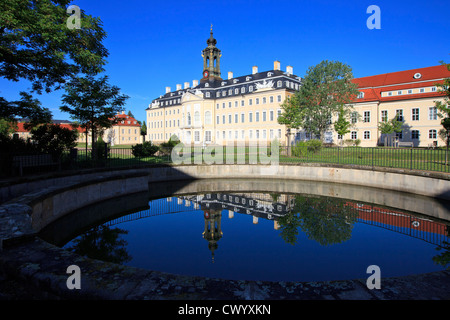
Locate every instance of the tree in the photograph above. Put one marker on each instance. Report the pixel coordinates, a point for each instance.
(289, 117)
(93, 102)
(389, 127)
(326, 88)
(36, 45)
(143, 130)
(53, 139)
(342, 125)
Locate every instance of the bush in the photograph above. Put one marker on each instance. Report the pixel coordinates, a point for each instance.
(146, 149)
(302, 147)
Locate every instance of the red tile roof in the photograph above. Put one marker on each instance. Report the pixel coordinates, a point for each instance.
(373, 86)
(21, 127)
(125, 118)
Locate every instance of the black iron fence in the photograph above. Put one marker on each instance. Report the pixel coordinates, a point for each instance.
(17, 164)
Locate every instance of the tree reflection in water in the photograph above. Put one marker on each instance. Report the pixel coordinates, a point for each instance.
(102, 243)
(323, 219)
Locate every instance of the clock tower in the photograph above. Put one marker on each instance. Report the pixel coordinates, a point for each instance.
(211, 60)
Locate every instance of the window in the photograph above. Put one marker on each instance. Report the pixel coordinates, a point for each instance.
(229, 118)
(264, 116)
(223, 105)
(197, 136)
(207, 94)
(415, 114)
(432, 113)
(242, 103)
(208, 117)
(257, 101)
(433, 89)
(271, 115)
(257, 116)
(410, 91)
(242, 134)
(399, 92)
(384, 116)
(229, 104)
(236, 118)
(279, 98)
(354, 135)
(399, 135)
(250, 102)
(264, 100)
(432, 134)
(243, 90)
(197, 117)
(354, 117)
(257, 134)
(250, 117)
(360, 95)
(242, 117)
(271, 133)
(399, 114)
(415, 134)
(264, 135)
(218, 120)
(223, 119)
(279, 133)
(279, 84)
(189, 119)
(250, 134)
(366, 116)
(366, 135)
(271, 99)
(422, 90)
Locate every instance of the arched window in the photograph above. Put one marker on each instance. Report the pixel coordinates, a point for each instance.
(208, 117)
(196, 117)
(189, 119)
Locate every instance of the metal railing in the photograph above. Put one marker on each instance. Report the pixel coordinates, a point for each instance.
(371, 157)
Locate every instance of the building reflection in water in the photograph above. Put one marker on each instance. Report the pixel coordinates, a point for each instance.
(290, 212)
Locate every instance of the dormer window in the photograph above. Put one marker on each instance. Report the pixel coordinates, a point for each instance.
(248, 78)
(223, 83)
(206, 84)
(269, 74)
(361, 95)
(235, 81)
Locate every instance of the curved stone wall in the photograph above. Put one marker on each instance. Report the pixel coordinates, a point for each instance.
(41, 202)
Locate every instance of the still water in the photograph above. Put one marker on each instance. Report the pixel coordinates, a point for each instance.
(264, 236)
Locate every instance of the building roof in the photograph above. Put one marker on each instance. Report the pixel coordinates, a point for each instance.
(125, 120)
(215, 87)
(67, 125)
(374, 86)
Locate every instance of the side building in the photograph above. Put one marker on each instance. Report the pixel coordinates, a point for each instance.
(216, 110)
(409, 95)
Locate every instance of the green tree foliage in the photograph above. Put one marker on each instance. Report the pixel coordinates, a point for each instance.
(389, 127)
(326, 89)
(53, 139)
(444, 106)
(36, 45)
(143, 130)
(342, 125)
(92, 102)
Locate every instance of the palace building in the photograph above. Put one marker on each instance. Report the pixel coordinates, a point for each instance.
(245, 108)
(218, 110)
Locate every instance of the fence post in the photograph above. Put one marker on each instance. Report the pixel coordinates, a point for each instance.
(411, 157)
(372, 157)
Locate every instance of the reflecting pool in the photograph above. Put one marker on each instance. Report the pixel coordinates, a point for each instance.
(261, 235)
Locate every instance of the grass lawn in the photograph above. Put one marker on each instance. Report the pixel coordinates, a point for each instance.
(406, 158)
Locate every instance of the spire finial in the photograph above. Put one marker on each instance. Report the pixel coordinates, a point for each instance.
(211, 27)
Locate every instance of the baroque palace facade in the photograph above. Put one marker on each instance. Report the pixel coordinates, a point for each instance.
(246, 108)
(216, 110)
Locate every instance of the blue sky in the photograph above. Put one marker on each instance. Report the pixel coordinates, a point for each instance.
(154, 44)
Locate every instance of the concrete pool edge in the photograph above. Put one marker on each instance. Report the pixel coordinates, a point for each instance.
(28, 258)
